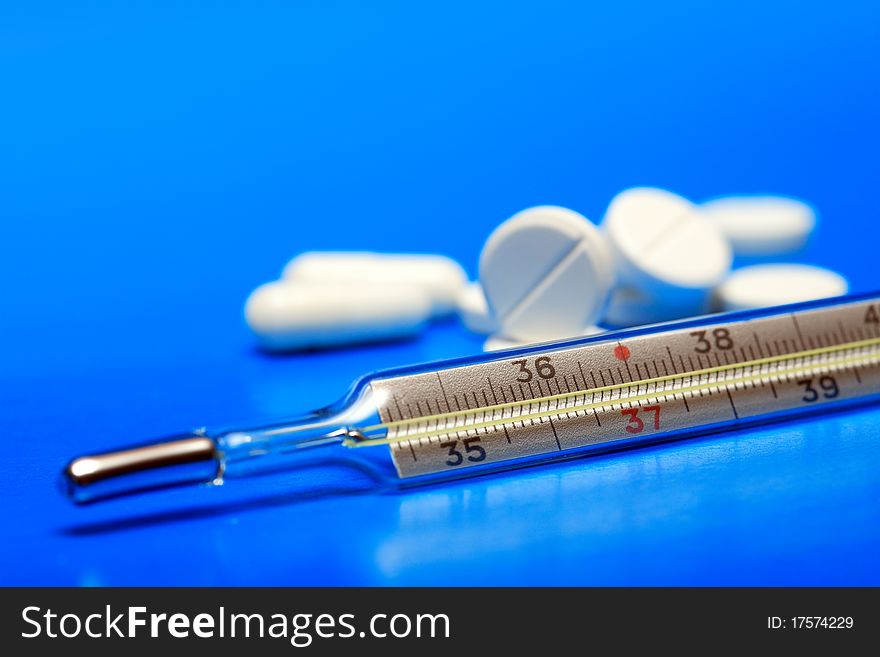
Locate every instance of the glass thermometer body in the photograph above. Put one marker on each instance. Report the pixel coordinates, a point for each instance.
(541, 403)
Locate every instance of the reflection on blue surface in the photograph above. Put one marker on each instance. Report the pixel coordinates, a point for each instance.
(780, 505)
(631, 518)
(159, 161)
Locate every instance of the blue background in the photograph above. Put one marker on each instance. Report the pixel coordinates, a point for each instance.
(159, 160)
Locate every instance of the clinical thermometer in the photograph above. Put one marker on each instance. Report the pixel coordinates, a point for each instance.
(541, 403)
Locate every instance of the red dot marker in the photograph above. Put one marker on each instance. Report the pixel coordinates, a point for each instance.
(621, 352)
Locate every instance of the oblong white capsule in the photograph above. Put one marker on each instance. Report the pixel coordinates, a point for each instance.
(762, 225)
(288, 315)
(760, 286)
(442, 278)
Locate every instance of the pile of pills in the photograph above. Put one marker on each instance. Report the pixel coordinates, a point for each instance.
(548, 273)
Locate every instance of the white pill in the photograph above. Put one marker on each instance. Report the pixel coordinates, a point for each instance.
(440, 276)
(546, 272)
(473, 310)
(632, 307)
(499, 342)
(664, 246)
(762, 225)
(760, 286)
(287, 315)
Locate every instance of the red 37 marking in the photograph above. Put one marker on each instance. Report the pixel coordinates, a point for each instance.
(636, 424)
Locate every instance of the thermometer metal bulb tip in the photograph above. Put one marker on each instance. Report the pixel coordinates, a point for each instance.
(177, 460)
(190, 459)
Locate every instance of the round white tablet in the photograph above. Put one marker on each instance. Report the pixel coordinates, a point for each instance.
(664, 246)
(762, 225)
(546, 272)
(760, 286)
(288, 315)
(441, 277)
(473, 310)
(499, 342)
(632, 307)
